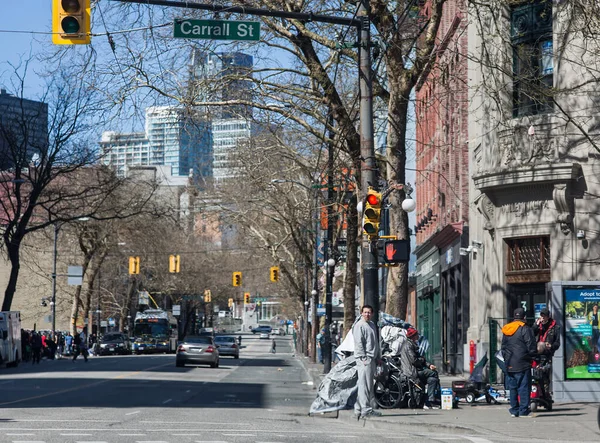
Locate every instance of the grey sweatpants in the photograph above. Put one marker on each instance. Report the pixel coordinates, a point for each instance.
(366, 374)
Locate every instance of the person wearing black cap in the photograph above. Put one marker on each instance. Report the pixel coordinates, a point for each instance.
(518, 349)
(547, 334)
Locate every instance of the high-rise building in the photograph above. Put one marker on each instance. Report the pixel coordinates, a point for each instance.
(23, 129)
(219, 77)
(172, 138)
(222, 77)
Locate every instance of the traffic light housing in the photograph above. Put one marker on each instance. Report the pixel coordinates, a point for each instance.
(230, 303)
(274, 273)
(174, 264)
(71, 22)
(372, 214)
(246, 298)
(237, 279)
(134, 265)
(207, 296)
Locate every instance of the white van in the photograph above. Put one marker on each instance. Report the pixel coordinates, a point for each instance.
(10, 338)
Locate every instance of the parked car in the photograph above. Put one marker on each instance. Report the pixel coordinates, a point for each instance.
(197, 349)
(264, 335)
(278, 331)
(262, 328)
(227, 346)
(114, 343)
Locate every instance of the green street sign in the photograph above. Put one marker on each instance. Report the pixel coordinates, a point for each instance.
(216, 29)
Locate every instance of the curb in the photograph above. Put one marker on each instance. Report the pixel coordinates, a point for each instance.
(313, 376)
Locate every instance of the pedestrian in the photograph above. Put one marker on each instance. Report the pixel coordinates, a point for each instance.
(367, 354)
(547, 334)
(320, 343)
(36, 348)
(80, 346)
(415, 367)
(240, 341)
(69, 344)
(518, 349)
(273, 347)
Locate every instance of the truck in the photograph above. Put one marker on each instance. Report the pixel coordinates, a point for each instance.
(10, 338)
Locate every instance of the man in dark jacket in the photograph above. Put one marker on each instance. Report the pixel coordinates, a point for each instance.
(547, 334)
(518, 348)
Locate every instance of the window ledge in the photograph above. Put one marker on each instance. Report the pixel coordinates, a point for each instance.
(526, 175)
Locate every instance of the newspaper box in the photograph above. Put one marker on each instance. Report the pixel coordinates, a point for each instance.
(446, 398)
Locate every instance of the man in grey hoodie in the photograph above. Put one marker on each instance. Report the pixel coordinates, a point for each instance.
(367, 353)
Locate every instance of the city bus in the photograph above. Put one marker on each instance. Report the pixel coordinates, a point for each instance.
(154, 330)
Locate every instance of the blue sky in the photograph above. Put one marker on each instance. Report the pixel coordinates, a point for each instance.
(24, 15)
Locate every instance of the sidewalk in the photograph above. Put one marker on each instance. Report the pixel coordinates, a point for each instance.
(573, 422)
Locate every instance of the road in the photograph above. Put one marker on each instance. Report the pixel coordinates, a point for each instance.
(261, 397)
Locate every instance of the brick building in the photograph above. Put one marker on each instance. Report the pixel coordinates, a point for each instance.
(442, 194)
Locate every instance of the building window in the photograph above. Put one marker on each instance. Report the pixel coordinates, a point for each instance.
(528, 260)
(533, 63)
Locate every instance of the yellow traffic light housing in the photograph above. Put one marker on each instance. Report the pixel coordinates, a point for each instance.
(372, 214)
(207, 296)
(71, 22)
(237, 279)
(134, 265)
(246, 298)
(174, 264)
(274, 273)
(230, 303)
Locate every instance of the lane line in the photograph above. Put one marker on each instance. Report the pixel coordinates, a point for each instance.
(167, 401)
(134, 412)
(89, 385)
(477, 439)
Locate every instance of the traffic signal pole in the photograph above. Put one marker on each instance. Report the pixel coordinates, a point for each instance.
(368, 253)
(369, 176)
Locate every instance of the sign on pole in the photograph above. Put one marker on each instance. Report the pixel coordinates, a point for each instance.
(75, 275)
(176, 309)
(216, 29)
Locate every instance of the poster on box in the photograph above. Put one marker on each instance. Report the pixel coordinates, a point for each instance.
(582, 334)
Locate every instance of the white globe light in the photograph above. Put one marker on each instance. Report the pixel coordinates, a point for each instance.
(331, 263)
(359, 207)
(409, 205)
(313, 292)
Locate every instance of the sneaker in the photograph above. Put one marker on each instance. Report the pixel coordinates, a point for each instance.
(514, 416)
(371, 413)
(430, 406)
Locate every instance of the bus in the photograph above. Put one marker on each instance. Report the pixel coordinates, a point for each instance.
(154, 330)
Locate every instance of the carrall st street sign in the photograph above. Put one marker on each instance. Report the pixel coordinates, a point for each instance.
(216, 29)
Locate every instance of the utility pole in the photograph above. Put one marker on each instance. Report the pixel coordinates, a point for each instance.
(369, 176)
(329, 261)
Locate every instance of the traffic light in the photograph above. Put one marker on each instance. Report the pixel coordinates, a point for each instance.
(237, 279)
(174, 263)
(71, 22)
(372, 214)
(134, 265)
(207, 296)
(246, 298)
(275, 273)
(230, 303)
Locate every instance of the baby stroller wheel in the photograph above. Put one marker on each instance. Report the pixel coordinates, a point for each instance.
(533, 406)
(470, 397)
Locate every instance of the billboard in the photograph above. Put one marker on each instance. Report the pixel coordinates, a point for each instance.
(582, 334)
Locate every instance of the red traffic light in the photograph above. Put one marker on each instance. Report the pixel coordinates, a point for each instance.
(372, 199)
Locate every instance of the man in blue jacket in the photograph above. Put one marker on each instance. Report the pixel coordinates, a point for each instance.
(518, 349)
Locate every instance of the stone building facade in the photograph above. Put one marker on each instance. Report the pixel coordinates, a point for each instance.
(534, 159)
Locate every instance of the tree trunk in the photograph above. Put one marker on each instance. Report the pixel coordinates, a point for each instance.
(397, 285)
(351, 265)
(77, 298)
(14, 257)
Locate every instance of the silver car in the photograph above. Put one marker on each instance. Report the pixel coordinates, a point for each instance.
(227, 346)
(197, 349)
